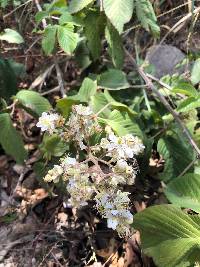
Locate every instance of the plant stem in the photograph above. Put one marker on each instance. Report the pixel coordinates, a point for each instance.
(162, 99)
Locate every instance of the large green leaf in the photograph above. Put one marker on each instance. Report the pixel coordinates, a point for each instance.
(10, 139)
(33, 101)
(77, 5)
(119, 12)
(195, 74)
(115, 49)
(169, 235)
(67, 39)
(11, 36)
(146, 16)
(177, 154)
(94, 26)
(113, 80)
(49, 39)
(184, 191)
(123, 123)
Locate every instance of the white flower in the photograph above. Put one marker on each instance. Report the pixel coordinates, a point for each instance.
(54, 174)
(69, 161)
(47, 122)
(122, 164)
(82, 110)
(125, 147)
(112, 223)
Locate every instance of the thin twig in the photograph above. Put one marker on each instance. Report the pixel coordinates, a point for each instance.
(164, 102)
(60, 78)
(55, 89)
(178, 24)
(18, 7)
(187, 168)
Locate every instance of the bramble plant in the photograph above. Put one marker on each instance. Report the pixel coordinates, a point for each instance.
(99, 137)
(101, 171)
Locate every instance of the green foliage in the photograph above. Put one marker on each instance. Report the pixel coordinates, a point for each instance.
(189, 104)
(77, 5)
(33, 102)
(8, 82)
(146, 16)
(52, 146)
(170, 147)
(11, 36)
(195, 74)
(49, 39)
(119, 12)
(93, 29)
(64, 106)
(185, 89)
(169, 235)
(67, 39)
(115, 49)
(184, 191)
(113, 80)
(10, 139)
(122, 123)
(87, 90)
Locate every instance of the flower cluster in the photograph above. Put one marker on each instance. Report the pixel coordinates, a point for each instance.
(81, 125)
(114, 206)
(104, 169)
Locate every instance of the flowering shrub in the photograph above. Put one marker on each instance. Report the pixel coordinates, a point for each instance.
(105, 168)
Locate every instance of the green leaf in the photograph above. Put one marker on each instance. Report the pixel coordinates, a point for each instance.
(4, 3)
(77, 5)
(40, 16)
(87, 90)
(98, 102)
(94, 27)
(188, 104)
(34, 101)
(64, 106)
(170, 148)
(67, 39)
(8, 81)
(184, 191)
(53, 146)
(113, 80)
(82, 55)
(185, 89)
(10, 139)
(195, 73)
(119, 12)
(115, 48)
(122, 123)
(66, 17)
(49, 39)
(11, 36)
(169, 235)
(146, 16)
